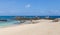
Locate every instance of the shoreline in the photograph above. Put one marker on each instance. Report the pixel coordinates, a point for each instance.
(44, 27)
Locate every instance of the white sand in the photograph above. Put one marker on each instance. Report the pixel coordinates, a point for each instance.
(44, 27)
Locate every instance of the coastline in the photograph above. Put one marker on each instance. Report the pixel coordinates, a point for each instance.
(44, 27)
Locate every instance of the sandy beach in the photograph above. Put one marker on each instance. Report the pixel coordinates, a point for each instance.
(43, 27)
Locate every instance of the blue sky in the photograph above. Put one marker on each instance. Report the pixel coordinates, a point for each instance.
(29, 7)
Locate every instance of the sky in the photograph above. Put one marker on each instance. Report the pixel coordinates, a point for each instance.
(29, 7)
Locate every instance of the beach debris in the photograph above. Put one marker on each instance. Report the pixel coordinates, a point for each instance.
(25, 18)
(17, 18)
(34, 21)
(56, 20)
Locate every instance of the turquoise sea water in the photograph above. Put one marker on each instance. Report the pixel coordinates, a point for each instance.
(14, 22)
(9, 23)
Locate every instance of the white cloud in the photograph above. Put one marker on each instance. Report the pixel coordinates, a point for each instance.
(27, 6)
